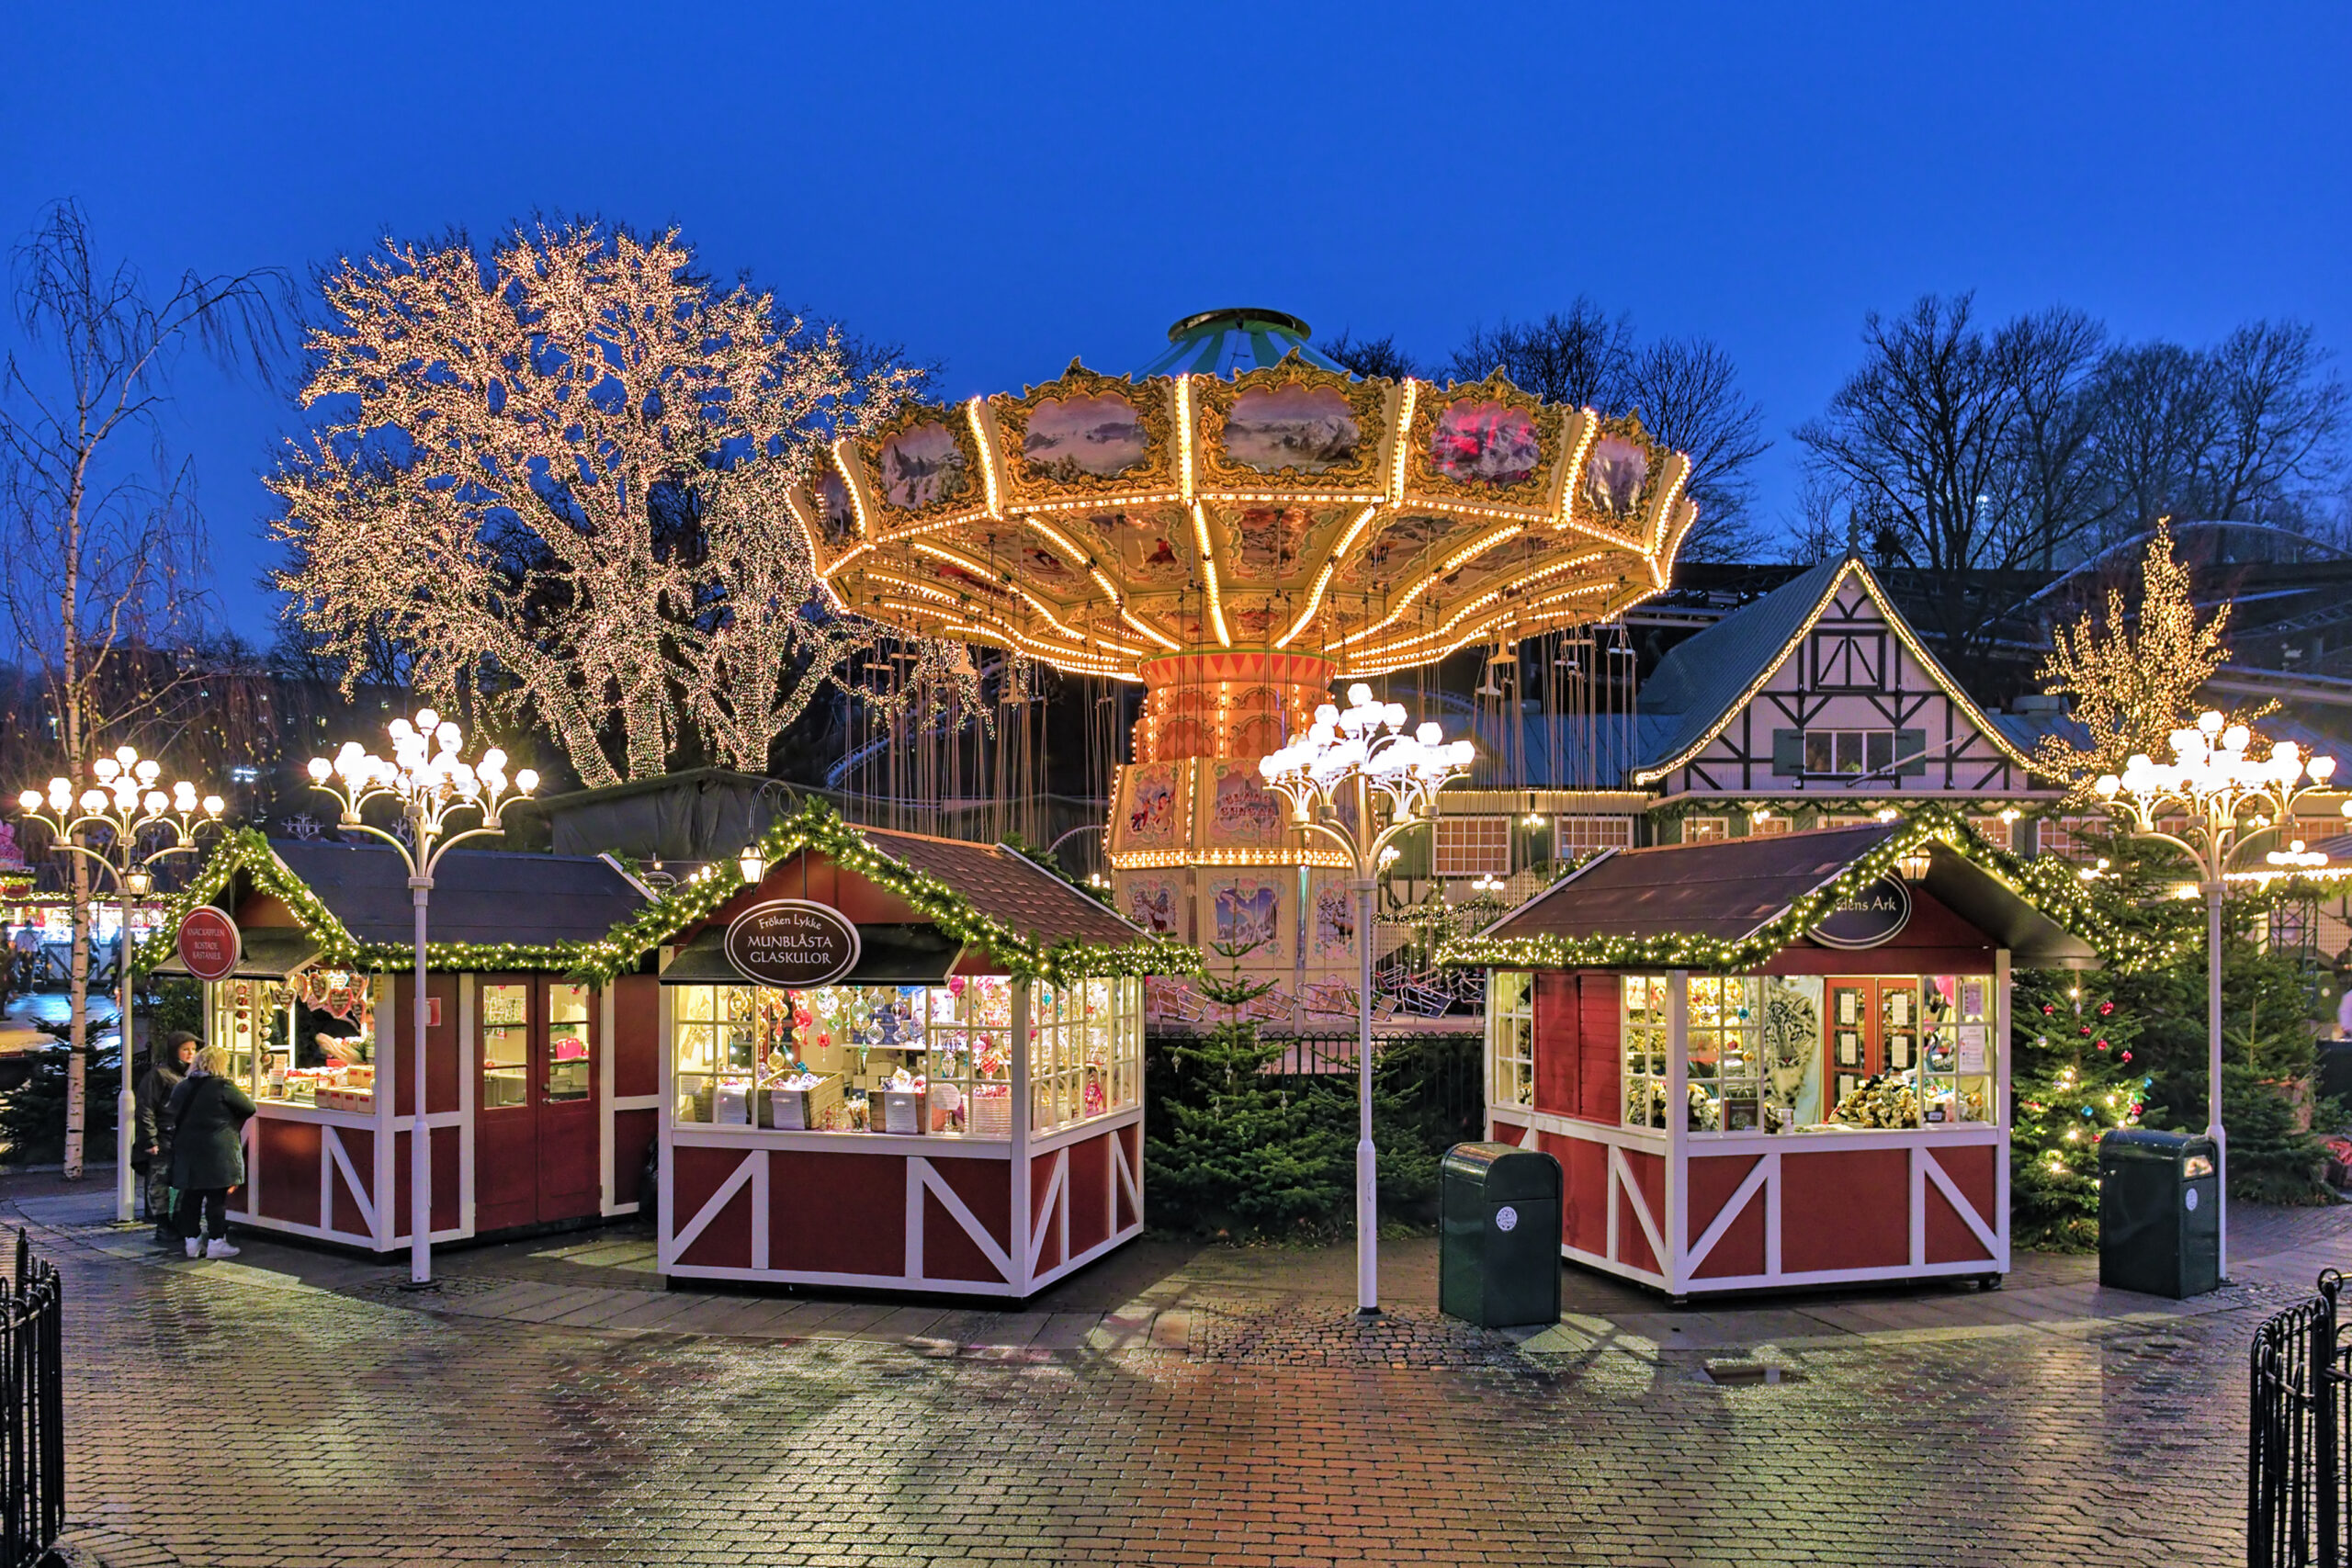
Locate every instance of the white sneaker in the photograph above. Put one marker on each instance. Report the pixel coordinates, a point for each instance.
(219, 1249)
(194, 1246)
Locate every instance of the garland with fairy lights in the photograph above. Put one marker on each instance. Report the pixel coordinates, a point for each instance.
(818, 828)
(2057, 890)
(814, 827)
(249, 852)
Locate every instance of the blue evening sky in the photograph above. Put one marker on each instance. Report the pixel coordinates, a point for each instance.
(1002, 186)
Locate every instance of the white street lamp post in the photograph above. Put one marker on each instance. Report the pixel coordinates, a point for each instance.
(429, 786)
(1350, 755)
(128, 803)
(2224, 799)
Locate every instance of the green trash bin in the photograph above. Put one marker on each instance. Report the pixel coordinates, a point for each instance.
(1499, 1247)
(2159, 1212)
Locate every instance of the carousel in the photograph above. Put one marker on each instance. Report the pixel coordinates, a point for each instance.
(1238, 525)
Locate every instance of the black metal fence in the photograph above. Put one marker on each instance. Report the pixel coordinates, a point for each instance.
(32, 1448)
(2295, 1496)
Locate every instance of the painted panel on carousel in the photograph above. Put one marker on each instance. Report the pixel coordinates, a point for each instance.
(1247, 912)
(1294, 422)
(1084, 435)
(1239, 811)
(1157, 904)
(1151, 809)
(1489, 443)
(1331, 932)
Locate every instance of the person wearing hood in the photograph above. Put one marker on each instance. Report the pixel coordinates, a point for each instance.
(208, 1113)
(167, 1063)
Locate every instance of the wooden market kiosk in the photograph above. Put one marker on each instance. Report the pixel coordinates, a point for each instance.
(923, 1148)
(540, 1084)
(1829, 1010)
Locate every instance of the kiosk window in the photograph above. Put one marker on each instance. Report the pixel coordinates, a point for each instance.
(506, 1046)
(568, 1053)
(1511, 1034)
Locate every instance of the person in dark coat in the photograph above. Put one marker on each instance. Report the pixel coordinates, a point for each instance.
(167, 1063)
(208, 1113)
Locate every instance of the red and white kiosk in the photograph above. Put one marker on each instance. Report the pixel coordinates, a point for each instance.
(899, 1061)
(1770, 1061)
(540, 1087)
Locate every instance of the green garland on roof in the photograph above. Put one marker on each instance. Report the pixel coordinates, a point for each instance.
(2056, 889)
(817, 826)
(247, 851)
(814, 827)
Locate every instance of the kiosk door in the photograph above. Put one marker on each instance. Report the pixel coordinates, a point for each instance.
(1874, 1029)
(535, 1117)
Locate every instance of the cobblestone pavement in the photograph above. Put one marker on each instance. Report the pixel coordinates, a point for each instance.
(222, 1414)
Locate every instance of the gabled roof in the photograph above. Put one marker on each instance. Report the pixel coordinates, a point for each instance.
(1709, 678)
(489, 910)
(1733, 904)
(1726, 890)
(983, 896)
(1007, 885)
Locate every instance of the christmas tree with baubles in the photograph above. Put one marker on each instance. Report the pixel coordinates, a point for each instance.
(2078, 1079)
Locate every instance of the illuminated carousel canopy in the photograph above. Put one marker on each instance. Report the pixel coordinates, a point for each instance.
(1243, 495)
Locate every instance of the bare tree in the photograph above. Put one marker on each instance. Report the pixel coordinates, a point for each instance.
(2155, 417)
(558, 485)
(2280, 415)
(2051, 360)
(1579, 358)
(1920, 440)
(100, 539)
(1687, 392)
(1371, 356)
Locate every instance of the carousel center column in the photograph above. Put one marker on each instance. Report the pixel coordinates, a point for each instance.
(1199, 847)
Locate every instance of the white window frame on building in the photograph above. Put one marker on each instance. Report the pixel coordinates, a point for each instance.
(1582, 834)
(1470, 846)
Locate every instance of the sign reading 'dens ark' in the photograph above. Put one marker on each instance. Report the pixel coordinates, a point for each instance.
(209, 942)
(793, 943)
(1866, 917)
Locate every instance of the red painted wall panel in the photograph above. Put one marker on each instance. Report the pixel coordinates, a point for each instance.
(1583, 1208)
(1949, 1239)
(288, 1155)
(1848, 1210)
(1740, 1249)
(1556, 1061)
(1649, 1179)
(1090, 1193)
(359, 1148)
(1130, 1139)
(440, 1046)
(637, 1039)
(844, 1214)
(633, 1134)
(446, 1152)
(1602, 1099)
(726, 1242)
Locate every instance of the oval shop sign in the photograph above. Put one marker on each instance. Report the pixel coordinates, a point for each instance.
(793, 943)
(1867, 916)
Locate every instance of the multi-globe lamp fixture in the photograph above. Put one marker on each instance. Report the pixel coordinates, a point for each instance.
(129, 802)
(1350, 756)
(429, 780)
(2213, 802)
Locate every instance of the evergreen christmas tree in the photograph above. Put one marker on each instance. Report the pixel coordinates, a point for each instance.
(2076, 1079)
(1233, 1149)
(32, 1115)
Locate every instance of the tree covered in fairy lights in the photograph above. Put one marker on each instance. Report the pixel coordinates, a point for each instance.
(556, 470)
